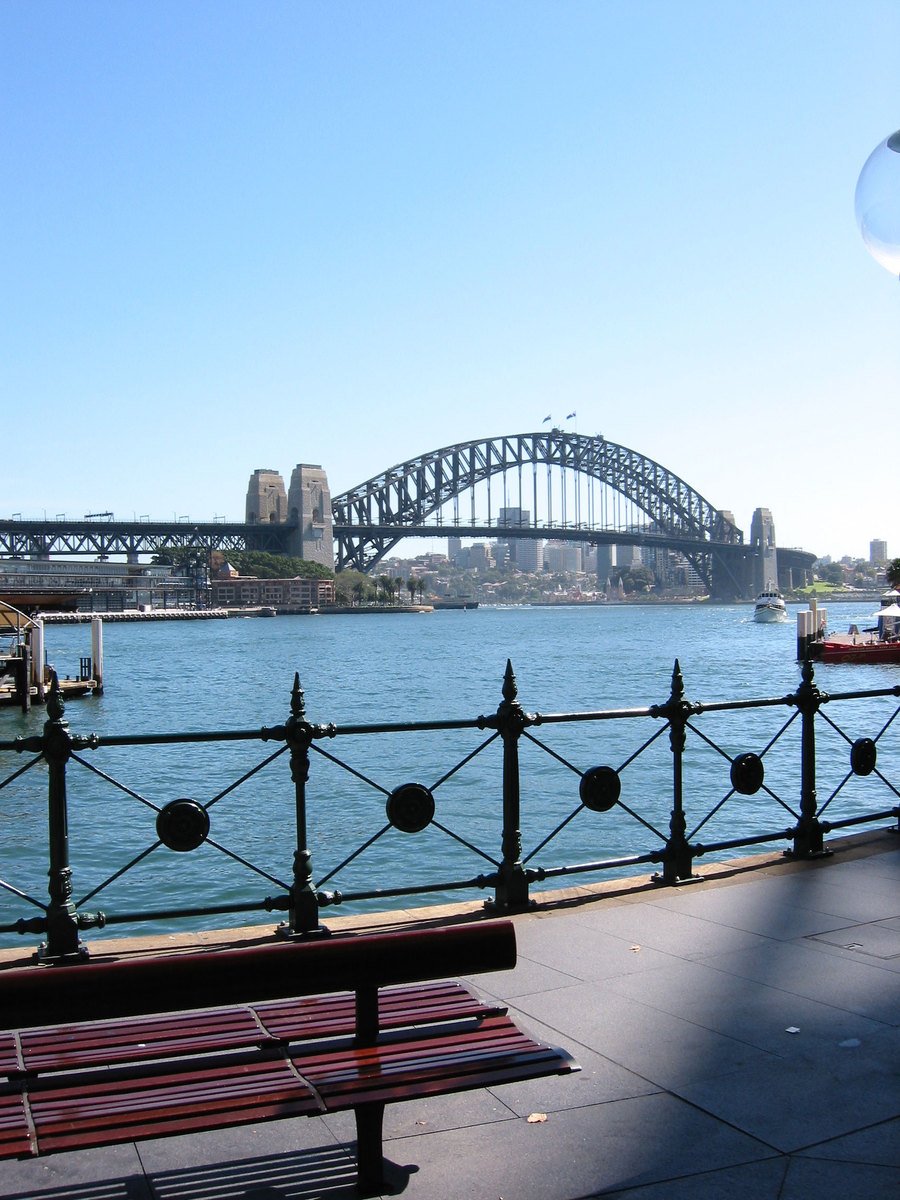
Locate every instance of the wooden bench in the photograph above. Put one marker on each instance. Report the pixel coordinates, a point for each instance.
(115, 1051)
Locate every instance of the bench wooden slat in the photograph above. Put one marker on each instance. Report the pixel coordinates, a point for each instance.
(124, 1110)
(493, 1052)
(15, 1134)
(9, 1057)
(72, 1047)
(335, 1015)
(69, 1047)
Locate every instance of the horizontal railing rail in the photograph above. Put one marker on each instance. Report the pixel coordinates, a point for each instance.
(741, 773)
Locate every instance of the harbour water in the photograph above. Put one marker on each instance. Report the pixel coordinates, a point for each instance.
(237, 674)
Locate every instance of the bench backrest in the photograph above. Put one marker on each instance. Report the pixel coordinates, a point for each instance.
(54, 995)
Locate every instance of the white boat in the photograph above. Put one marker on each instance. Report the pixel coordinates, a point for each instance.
(770, 606)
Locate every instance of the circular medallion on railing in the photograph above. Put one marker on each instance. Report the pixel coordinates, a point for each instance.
(863, 756)
(747, 774)
(600, 788)
(410, 807)
(182, 825)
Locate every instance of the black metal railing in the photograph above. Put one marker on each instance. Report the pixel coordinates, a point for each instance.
(709, 781)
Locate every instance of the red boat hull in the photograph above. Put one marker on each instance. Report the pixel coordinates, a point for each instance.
(859, 652)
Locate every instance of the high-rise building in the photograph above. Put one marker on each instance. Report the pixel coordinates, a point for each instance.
(878, 552)
(526, 553)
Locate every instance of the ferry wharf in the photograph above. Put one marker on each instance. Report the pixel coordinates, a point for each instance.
(738, 1039)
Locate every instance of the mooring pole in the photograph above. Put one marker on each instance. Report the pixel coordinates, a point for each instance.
(62, 926)
(511, 892)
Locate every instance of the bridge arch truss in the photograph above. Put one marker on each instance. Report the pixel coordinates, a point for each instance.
(409, 496)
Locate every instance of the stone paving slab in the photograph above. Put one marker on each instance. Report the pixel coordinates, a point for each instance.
(677, 1004)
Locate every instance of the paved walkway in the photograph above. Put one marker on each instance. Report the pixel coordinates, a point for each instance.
(739, 1040)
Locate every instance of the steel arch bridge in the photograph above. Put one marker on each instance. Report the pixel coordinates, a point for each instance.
(370, 519)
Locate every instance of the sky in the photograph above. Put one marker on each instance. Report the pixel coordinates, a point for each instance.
(246, 234)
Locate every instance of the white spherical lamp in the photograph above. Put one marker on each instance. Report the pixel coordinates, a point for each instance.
(878, 203)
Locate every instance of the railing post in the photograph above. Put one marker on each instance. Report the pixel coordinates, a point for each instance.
(511, 892)
(62, 942)
(677, 857)
(303, 914)
(808, 833)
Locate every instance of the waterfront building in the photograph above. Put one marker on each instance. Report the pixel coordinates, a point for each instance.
(101, 585)
(878, 554)
(249, 592)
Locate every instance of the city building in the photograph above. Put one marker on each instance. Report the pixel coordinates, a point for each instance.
(878, 554)
(525, 553)
(249, 592)
(101, 586)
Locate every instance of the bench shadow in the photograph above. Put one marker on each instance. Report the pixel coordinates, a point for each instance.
(325, 1172)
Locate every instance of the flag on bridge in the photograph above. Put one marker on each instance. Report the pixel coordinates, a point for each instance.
(547, 418)
(569, 416)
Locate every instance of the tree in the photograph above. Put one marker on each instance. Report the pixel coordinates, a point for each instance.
(893, 572)
(831, 573)
(249, 562)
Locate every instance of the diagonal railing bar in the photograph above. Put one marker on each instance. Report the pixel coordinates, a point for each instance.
(712, 812)
(580, 807)
(526, 858)
(8, 887)
(356, 853)
(260, 766)
(640, 820)
(724, 753)
(733, 791)
(549, 750)
(145, 853)
(21, 771)
(825, 717)
(469, 845)
(646, 746)
(246, 863)
(464, 761)
(846, 779)
(122, 787)
(338, 762)
(851, 773)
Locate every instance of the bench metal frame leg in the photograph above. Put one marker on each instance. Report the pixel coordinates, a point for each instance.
(369, 1149)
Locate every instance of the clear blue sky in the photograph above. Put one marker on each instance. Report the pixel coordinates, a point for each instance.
(250, 234)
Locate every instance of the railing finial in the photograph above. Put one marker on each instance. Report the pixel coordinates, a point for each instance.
(298, 703)
(677, 681)
(510, 687)
(56, 708)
